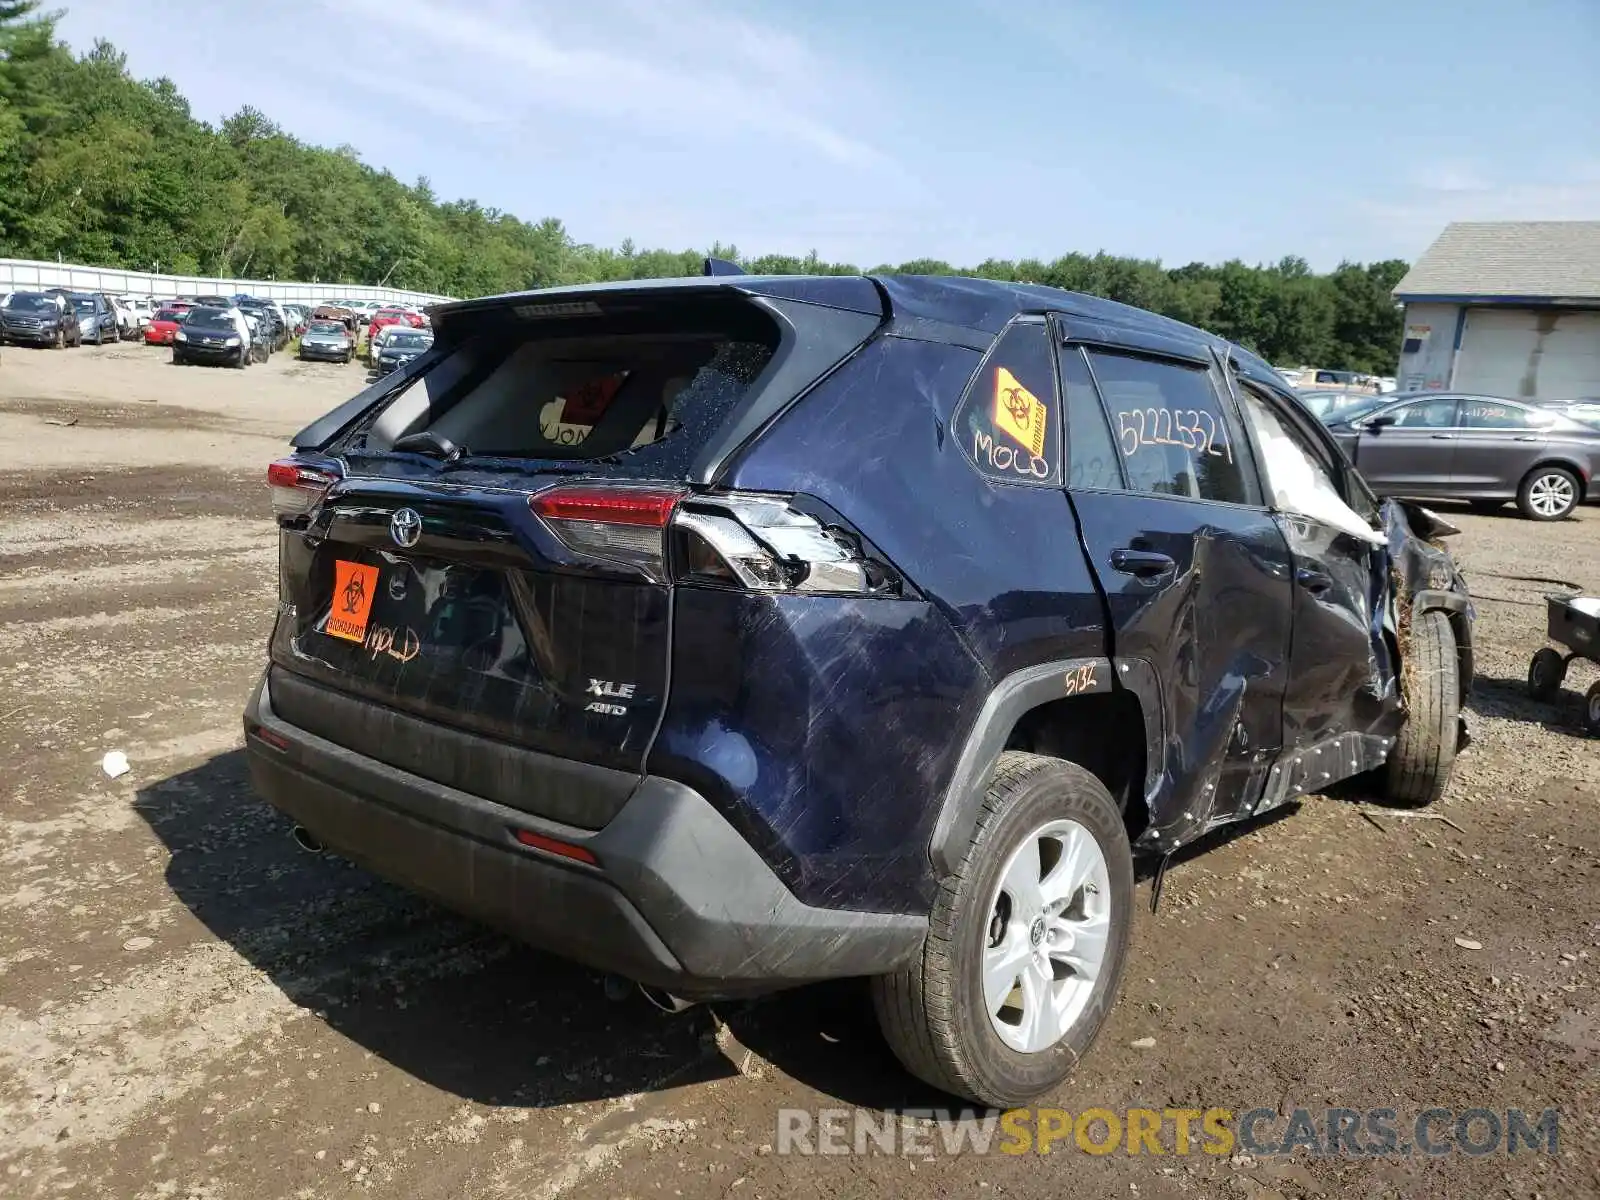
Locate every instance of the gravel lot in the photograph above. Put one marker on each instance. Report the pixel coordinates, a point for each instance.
(189, 1006)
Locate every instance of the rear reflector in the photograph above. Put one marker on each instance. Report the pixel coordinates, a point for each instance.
(296, 488)
(552, 846)
(276, 741)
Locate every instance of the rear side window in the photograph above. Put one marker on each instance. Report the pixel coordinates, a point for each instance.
(1009, 422)
(1486, 414)
(1174, 433)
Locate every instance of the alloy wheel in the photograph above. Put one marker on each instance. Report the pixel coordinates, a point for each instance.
(1049, 925)
(1551, 495)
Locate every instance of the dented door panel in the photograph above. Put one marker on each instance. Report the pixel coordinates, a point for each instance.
(1342, 675)
(1215, 631)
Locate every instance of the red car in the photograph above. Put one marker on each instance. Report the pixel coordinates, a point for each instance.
(392, 316)
(163, 326)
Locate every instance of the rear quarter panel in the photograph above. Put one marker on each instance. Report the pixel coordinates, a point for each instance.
(829, 728)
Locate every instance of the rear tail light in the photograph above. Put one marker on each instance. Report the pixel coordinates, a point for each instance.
(734, 540)
(766, 544)
(626, 526)
(297, 488)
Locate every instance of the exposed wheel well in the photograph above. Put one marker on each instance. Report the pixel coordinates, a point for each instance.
(1104, 734)
(1570, 468)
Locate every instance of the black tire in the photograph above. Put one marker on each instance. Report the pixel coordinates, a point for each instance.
(1544, 481)
(1425, 749)
(932, 1013)
(1546, 671)
(178, 360)
(1591, 709)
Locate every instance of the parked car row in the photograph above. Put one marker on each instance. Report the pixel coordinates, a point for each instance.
(1486, 450)
(58, 317)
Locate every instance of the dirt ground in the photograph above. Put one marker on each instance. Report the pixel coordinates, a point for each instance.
(192, 1007)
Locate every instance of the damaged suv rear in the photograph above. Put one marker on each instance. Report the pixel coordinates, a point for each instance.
(734, 633)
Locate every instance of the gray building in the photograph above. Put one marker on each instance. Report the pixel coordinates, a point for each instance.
(1505, 308)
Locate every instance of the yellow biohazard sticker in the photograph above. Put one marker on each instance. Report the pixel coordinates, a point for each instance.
(1018, 413)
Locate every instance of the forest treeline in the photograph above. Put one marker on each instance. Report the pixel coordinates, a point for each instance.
(99, 167)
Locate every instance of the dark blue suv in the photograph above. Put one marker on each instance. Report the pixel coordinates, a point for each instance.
(732, 633)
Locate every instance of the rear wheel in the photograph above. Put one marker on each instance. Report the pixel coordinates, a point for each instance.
(1546, 671)
(1548, 494)
(1025, 943)
(1425, 749)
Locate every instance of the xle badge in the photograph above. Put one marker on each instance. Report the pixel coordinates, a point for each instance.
(612, 691)
(1018, 413)
(353, 588)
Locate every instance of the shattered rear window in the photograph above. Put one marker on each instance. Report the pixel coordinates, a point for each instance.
(646, 398)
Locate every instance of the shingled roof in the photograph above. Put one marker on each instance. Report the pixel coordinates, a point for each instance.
(1502, 259)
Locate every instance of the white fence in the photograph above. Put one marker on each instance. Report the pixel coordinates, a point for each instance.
(21, 275)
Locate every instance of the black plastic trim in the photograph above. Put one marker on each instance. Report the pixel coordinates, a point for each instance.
(1007, 702)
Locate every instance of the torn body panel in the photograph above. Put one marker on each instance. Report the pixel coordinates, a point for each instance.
(1344, 696)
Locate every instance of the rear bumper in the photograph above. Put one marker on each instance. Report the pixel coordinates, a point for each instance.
(676, 898)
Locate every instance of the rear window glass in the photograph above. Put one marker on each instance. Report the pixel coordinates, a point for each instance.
(652, 393)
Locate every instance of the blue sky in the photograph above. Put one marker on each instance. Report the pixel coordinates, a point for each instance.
(957, 129)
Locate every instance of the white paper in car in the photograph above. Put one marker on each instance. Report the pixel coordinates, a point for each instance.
(1589, 606)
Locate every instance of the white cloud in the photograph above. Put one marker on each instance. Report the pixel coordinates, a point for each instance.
(1093, 41)
(686, 71)
(1435, 194)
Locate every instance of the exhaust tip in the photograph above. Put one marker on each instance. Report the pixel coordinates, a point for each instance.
(665, 1001)
(306, 840)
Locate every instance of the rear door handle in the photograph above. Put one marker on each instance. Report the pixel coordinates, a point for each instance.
(1314, 581)
(1444, 437)
(1145, 564)
(1528, 437)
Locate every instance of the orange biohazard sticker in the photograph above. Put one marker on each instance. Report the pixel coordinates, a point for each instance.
(354, 585)
(1018, 413)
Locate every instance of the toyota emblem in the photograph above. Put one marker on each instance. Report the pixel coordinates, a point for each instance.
(405, 527)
